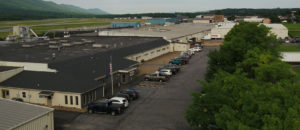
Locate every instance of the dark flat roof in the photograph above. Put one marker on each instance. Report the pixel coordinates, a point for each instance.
(77, 72)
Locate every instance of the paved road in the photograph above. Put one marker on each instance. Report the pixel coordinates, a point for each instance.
(157, 109)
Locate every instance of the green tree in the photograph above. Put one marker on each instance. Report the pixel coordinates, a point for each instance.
(258, 93)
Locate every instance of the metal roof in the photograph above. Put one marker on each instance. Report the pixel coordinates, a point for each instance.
(290, 56)
(169, 32)
(14, 114)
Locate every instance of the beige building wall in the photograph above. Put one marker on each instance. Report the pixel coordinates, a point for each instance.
(201, 21)
(32, 96)
(150, 54)
(221, 31)
(45, 122)
(59, 100)
(10, 73)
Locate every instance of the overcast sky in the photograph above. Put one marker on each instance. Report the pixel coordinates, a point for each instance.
(146, 6)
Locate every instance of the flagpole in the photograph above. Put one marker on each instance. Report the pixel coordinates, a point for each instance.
(112, 77)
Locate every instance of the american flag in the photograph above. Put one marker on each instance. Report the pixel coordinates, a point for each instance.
(110, 68)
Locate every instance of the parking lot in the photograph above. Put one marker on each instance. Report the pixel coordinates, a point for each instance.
(159, 107)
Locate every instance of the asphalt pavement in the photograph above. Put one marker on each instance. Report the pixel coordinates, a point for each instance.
(157, 108)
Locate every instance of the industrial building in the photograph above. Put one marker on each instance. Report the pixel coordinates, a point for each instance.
(22, 116)
(178, 33)
(209, 18)
(126, 25)
(162, 21)
(73, 72)
(223, 28)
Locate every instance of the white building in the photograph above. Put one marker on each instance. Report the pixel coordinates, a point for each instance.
(254, 19)
(22, 116)
(223, 28)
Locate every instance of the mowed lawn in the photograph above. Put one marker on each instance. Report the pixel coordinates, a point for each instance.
(294, 29)
(289, 48)
(42, 26)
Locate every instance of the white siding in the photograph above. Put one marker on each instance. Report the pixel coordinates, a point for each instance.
(150, 54)
(44, 122)
(32, 96)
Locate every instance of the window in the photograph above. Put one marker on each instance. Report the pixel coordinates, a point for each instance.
(24, 94)
(95, 95)
(7, 92)
(152, 52)
(85, 99)
(146, 54)
(167, 47)
(71, 100)
(76, 100)
(164, 49)
(66, 99)
(158, 50)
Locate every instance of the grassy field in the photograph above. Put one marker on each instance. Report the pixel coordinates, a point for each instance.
(289, 48)
(41, 26)
(294, 29)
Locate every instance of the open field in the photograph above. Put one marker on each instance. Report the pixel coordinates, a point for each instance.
(294, 29)
(41, 26)
(289, 48)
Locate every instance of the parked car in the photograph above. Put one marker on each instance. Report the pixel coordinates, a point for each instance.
(197, 49)
(177, 62)
(126, 96)
(185, 60)
(156, 77)
(105, 106)
(132, 93)
(165, 72)
(120, 100)
(174, 68)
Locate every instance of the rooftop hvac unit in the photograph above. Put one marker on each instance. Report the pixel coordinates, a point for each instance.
(53, 42)
(67, 44)
(27, 45)
(55, 46)
(41, 43)
(77, 43)
(98, 45)
(63, 41)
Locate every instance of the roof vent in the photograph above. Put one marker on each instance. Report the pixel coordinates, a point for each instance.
(67, 44)
(98, 45)
(77, 43)
(27, 45)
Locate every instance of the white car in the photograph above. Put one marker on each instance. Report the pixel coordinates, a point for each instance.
(167, 72)
(119, 100)
(198, 49)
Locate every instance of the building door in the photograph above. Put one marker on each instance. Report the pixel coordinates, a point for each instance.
(5, 93)
(123, 78)
(49, 101)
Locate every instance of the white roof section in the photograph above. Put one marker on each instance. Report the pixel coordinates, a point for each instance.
(168, 32)
(276, 26)
(290, 56)
(14, 114)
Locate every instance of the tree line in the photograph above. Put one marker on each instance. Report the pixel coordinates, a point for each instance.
(247, 86)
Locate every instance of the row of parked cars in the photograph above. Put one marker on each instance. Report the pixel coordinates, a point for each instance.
(115, 105)
(165, 72)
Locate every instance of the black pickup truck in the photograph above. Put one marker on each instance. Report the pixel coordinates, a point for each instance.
(105, 106)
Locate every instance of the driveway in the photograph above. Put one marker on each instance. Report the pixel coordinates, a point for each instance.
(157, 109)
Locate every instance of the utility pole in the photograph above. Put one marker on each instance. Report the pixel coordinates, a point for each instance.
(112, 76)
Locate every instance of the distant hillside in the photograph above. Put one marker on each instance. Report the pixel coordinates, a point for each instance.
(39, 9)
(97, 11)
